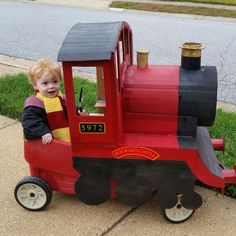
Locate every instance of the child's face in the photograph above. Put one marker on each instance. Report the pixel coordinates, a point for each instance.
(48, 85)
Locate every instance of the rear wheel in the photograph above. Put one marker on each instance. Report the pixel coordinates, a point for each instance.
(33, 193)
(178, 213)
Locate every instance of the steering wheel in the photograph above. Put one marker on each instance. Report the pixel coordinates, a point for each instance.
(80, 99)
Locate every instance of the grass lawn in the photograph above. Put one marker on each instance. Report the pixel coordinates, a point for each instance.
(222, 2)
(177, 9)
(15, 89)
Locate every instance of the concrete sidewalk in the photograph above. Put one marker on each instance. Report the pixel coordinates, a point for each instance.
(66, 215)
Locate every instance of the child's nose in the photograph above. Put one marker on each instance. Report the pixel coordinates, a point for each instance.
(51, 85)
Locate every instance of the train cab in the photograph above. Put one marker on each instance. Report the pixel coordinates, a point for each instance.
(105, 48)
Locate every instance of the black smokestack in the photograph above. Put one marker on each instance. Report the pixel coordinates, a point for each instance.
(191, 55)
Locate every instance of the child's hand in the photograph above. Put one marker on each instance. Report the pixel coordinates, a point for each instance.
(82, 113)
(47, 138)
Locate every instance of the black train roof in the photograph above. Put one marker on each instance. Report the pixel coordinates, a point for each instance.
(90, 42)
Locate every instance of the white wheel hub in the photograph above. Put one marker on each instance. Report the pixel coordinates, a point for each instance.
(31, 196)
(178, 213)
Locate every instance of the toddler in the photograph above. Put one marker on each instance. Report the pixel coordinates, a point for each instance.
(44, 114)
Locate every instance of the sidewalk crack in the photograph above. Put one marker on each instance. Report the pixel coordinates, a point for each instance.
(3, 127)
(108, 230)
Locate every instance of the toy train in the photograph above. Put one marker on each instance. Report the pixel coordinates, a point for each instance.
(147, 138)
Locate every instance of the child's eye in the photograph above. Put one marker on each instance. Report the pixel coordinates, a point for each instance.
(56, 81)
(45, 83)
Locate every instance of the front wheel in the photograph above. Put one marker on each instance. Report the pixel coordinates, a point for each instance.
(33, 193)
(178, 213)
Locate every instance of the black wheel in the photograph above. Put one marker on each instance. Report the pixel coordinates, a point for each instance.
(178, 213)
(92, 190)
(33, 193)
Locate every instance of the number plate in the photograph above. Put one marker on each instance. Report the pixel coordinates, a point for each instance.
(92, 128)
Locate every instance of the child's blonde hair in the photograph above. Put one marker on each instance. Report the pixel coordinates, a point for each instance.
(44, 67)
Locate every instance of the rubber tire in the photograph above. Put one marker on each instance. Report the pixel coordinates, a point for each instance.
(41, 184)
(163, 210)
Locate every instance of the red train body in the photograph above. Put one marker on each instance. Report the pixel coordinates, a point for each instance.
(147, 137)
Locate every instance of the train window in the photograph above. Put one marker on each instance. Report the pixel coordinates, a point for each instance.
(117, 69)
(89, 89)
(121, 50)
(117, 61)
(126, 42)
(124, 47)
